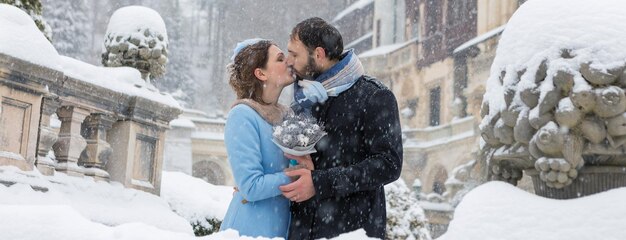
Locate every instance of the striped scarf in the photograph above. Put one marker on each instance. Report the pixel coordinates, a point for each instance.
(336, 80)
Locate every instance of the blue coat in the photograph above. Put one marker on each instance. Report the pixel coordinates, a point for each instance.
(257, 165)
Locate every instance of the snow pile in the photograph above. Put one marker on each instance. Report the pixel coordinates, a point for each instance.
(198, 201)
(556, 90)
(57, 221)
(592, 31)
(498, 210)
(120, 79)
(126, 20)
(136, 37)
(22, 39)
(104, 203)
(66, 207)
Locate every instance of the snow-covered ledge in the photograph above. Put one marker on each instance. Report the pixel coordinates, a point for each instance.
(112, 122)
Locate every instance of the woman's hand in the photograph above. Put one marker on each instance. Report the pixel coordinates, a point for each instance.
(305, 160)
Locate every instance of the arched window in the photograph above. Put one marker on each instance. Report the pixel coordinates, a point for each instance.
(210, 172)
(441, 175)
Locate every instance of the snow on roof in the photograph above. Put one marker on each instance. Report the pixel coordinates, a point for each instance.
(120, 79)
(196, 115)
(382, 50)
(357, 5)
(593, 31)
(194, 111)
(20, 38)
(358, 40)
(497, 210)
(479, 39)
(135, 18)
(412, 143)
(182, 123)
(204, 135)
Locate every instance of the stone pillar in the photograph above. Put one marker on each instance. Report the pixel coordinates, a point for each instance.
(70, 144)
(137, 156)
(98, 151)
(47, 136)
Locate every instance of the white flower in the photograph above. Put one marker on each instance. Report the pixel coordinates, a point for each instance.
(287, 139)
(301, 123)
(292, 127)
(278, 130)
(303, 140)
(315, 127)
(309, 131)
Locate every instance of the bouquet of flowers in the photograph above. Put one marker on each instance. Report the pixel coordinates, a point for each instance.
(298, 134)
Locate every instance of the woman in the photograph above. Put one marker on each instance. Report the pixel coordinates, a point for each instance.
(258, 74)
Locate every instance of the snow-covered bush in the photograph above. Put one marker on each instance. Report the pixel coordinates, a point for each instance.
(556, 90)
(136, 37)
(405, 218)
(203, 204)
(205, 227)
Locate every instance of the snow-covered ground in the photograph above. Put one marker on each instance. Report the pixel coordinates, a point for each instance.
(498, 210)
(66, 207)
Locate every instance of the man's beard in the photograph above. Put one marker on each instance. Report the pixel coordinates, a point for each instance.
(311, 70)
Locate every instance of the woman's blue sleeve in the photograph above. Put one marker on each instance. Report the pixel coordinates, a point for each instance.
(243, 146)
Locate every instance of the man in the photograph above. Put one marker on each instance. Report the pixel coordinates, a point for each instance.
(363, 149)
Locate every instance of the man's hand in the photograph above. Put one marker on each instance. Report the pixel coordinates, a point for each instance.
(300, 190)
(305, 160)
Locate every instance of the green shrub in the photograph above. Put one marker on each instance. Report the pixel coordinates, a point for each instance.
(206, 227)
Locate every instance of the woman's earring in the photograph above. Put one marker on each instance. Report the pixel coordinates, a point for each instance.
(264, 85)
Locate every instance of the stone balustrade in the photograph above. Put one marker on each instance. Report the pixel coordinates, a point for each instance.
(105, 134)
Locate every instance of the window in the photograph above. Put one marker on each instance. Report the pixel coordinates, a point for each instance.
(377, 43)
(435, 102)
(414, 29)
(439, 187)
(433, 16)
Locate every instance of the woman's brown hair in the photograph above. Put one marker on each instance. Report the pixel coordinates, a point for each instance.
(241, 71)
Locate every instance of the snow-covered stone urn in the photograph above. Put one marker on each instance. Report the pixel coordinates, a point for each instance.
(136, 37)
(555, 102)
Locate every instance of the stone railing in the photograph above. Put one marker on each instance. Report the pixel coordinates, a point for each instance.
(389, 61)
(104, 133)
(403, 57)
(427, 137)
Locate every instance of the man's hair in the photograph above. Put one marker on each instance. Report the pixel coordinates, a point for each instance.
(315, 32)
